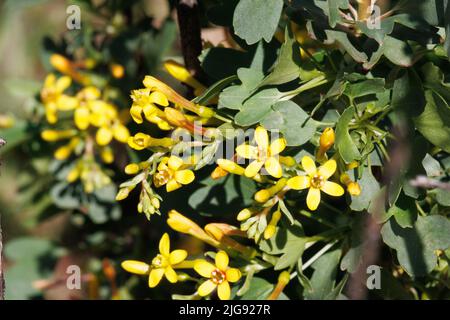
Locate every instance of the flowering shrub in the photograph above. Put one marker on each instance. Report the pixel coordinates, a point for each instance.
(308, 145)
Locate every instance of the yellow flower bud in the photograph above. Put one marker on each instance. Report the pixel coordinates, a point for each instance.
(155, 202)
(244, 214)
(121, 133)
(61, 63)
(103, 136)
(180, 223)
(262, 195)
(352, 165)
(140, 141)
(117, 70)
(269, 231)
(218, 173)
(122, 194)
(284, 278)
(180, 73)
(82, 118)
(55, 135)
(354, 189)
(90, 63)
(132, 168)
(136, 267)
(287, 161)
(73, 175)
(327, 139)
(107, 155)
(231, 166)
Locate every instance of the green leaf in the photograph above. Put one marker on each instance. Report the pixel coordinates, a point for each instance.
(254, 20)
(353, 258)
(416, 246)
(369, 188)
(257, 107)
(334, 11)
(404, 211)
(260, 289)
(434, 122)
(342, 39)
(408, 94)
(285, 237)
(344, 142)
(286, 67)
(324, 276)
(294, 123)
(26, 248)
(398, 52)
(233, 97)
(364, 88)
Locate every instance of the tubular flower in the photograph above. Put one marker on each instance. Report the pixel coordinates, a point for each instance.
(53, 97)
(316, 180)
(265, 194)
(162, 265)
(146, 102)
(140, 141)
(171, 174)
(263, 154)
(220, 276)
(180, 73)
(326, 141)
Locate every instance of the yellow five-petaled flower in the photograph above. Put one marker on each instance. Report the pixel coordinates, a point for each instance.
(263, 154)
(220, 276)
(316, 180)
(162, 264)
(171, 173)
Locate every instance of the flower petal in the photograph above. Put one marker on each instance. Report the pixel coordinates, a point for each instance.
(222, 260)
(155, 277)
(247, 151)
(164, 245)
(103, 136)
(175, 163)
(253, 168)
(206, 288)
(171, 275)
(333, 189)
(273, 167)
(204, 268)
(224, 291)
(327, 169)
(233, 274)
(184, 176)
(136, 113)
(81, 118)
(172, 185)
(313, 198)
(277, 146)
(299, 182)
(308, 165)
(177, 256)
(63, 83)
(136, 267)
(159, 98)
(262, 138)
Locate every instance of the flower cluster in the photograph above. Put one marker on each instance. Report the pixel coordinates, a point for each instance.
(86, 120)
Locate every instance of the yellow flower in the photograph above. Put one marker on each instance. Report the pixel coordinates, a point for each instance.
(162, 265)
(53, 97)
(171, 174)
(144, 101)
(141, 141)
(327, 139)
(220, 276)
(263, 154)
(316, 180)
(117, 70)
(352, 187)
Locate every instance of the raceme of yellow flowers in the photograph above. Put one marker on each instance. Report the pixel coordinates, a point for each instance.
(85, 120)
(278, 174)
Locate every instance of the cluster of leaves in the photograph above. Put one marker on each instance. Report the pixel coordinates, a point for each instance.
(295, 68)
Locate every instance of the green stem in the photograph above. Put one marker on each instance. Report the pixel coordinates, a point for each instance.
(317, 218)
(316, 82)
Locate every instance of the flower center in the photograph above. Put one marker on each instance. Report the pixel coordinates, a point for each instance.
(262, 154)
(159, 261)
(162, 177)
(218, 276)
(317, 181)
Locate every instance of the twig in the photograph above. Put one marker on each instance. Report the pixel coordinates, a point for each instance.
(2, 279)
(400, 154)
(190, 36)
(427, 183)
